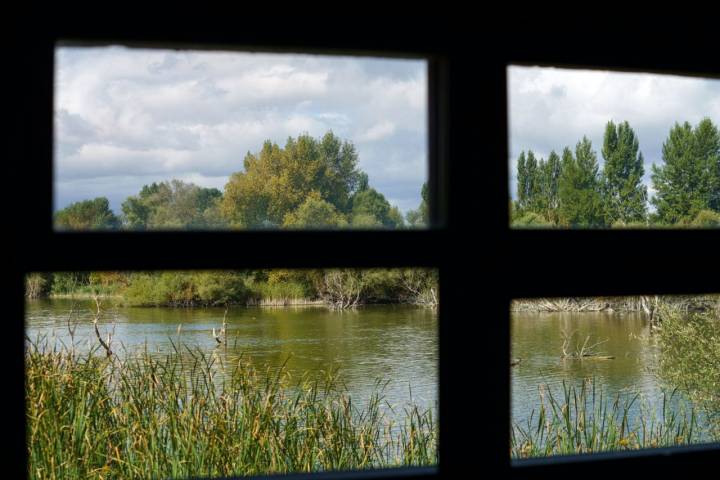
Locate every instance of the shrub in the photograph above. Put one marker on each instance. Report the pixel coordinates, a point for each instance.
(532, 220)
(691, 356)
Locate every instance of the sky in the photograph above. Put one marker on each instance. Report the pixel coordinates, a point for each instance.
(127, 117)
(550, 108)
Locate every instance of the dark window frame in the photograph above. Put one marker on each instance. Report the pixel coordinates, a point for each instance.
(480, 258)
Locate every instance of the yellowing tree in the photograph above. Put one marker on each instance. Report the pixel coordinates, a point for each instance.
(277, 181)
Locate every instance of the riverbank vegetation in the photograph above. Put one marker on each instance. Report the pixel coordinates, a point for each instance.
(648, 304)
(336, 288)
(582, 419)
(569, 190)
(691, 357)
(181, 415)
(308, 183)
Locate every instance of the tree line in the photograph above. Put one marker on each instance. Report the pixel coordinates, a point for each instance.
(337, 288)
(308, 183)
(570, 189)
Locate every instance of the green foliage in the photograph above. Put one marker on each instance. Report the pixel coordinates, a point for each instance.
(572, 192)
(69, 282)
(579, 188)
(371, 203)
(383, 285)
(529, 182)
(314, 212)
(689, 179)
(548, 200)
(276, 181)
(691, 356)
(281, 286)
(706, 219)
(87, 215)
(37, 285)
(173, 205)
(633, 225)
(531, 220)
(624, 194)
(186, 289)
(421, 216)
(277, 286)
(365, 220)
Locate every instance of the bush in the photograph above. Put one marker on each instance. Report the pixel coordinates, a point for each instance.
(36, 285)
(532, 220)
(621, 224)
(186, 289)
(691, 356)
(69, 282)
(706, 219)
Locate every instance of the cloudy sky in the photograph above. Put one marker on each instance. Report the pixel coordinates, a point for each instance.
(127, 117)
(551, 108)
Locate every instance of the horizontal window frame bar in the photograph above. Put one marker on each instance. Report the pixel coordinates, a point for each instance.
(229, 250)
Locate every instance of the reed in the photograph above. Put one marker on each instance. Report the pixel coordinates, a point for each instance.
(582, 419)
(189, 413)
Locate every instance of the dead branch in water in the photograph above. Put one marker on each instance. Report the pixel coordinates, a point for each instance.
(105, 343)
(222, 336)
(584, 350)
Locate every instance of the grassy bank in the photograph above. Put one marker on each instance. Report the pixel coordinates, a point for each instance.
(159, 417)
(336, 288)
(582, 419)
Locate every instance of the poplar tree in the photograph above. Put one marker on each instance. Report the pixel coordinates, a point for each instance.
(532, 182)
(528, 182)
(578, 189)
(549, 178)
(624, 194)
(689, 179)
(521, 182)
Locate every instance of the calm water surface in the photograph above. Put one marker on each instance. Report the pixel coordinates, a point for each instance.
(537, 339)
(395, 343)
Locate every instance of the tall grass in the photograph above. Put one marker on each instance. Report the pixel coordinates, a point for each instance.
(152, 416)
(584, 420)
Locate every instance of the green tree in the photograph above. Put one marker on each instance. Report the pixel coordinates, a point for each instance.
(624, 194)
(276, 181)
(421, 216)
(174, 204)
(87, 215)
(528, 182)
(548, 180)
(522, 183)
(688, 180)
(373, 203)
(579, 190)
(314, 212)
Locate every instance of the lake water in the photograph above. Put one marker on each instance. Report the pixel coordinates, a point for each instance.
(537, 339)
(395, 343)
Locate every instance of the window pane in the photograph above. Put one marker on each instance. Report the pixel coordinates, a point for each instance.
(269, 371)
(149, 139)
(600, 149)
(613, 374)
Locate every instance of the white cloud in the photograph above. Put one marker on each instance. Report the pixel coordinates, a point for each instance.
(136, 114)
(550, 108)
(377, 132)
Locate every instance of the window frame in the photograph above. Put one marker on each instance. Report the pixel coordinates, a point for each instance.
(37, 245)
(473, 248)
